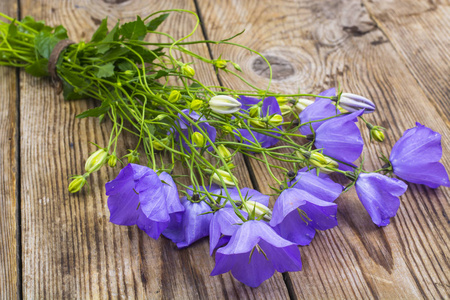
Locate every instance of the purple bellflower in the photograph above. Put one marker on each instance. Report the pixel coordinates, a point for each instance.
(379, 195)
(320, 109)
(223, 223)
(138, 196)
(415, 157)
(191, 225)
(320, 186)
(254, 252)
(269, 107)
(297, 214)
(340, 137)
(186, 126)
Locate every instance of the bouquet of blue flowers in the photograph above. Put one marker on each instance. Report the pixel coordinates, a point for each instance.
(146, 90)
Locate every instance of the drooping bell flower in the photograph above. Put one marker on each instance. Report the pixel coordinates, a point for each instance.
(297, 214)
(187, 127)
(415, 157)
(379, 195)
(320, 109)
(254, 252)
(340, 137)
(138, 196)
(191, 225)
(269, 107)
(320, 186)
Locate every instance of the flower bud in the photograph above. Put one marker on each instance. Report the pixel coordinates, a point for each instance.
(282, 100)
(77, 183)
(174, 96)
(159, 145)
(259, 210)
(112, 161)
(224, 104)
(226, 176)
(377, 134)
(352, 103)
(198, 139)
(301, 104)
(224, 152)
(220, 63)
(96, 160)
(285, 110)
(227, 128)
(319, 160)
(132, 157)
(196, 104)
(236, 66)
(254, 111)
(276, 120)
(257, 123)
(187, 70)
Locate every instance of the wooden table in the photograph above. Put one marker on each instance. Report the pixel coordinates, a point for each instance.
(56, 245)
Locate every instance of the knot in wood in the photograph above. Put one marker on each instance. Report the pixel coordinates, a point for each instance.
(281, 68)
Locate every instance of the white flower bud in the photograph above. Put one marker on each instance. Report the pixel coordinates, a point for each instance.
(224, 104)
(301, 104)
(257, 208)
(226, 176)
(352, 103)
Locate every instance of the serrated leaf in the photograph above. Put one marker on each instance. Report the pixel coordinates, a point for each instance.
(101, 31)
(39, 68)
(154, 24)
(110, 37)
(135, 30)
(46, 41)
(95, 112)
(105, 71)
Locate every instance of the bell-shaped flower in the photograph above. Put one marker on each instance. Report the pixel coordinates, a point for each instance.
(320, 186)
(254, 252)
(138, 196)
(186, 126)
(224, 104)
(223, 225)
(320, 109)
(351, 103)
(340, 138)
(269, 108)
(379, 195)
(415, 157)
(297, 214)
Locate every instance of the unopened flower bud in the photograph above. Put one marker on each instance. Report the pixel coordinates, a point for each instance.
(224, 152)
(96, 160)
(224, 104)
(220, 63)
(77, 183)
(112, 161)
(226, 177)
(227, 128)
(159, 145)
(174, 96)
(198, 139)
(257, 209)
(187, 70)
(254, 111)
(282, 100)
(352, 103)
(276, 120)
(321, 161)
(132, 157)
(257, 123)
(236, 66)
(377, 134)
(285, 110)
(196, 104)
(301, 104)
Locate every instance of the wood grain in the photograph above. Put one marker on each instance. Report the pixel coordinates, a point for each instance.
(419, 30)
(9, 269)
(70, 250)
(326, 41)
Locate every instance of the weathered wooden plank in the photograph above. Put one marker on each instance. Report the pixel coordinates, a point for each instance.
(318, 43)
(70, 248)
(9, 269)
(420, 33)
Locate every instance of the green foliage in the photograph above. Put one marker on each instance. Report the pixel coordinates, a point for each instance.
(154, 24)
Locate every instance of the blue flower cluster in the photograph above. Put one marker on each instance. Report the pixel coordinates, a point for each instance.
(254, 243)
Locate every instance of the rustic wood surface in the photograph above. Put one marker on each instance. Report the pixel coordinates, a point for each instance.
(56, 245)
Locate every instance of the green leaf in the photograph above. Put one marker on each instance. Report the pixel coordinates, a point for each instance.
(46, 41)
(105, 71)
(115, 53)
(154, 24)
(95, 112)
(12, 29)
(39, 68)
(134, 30)
(125, 65)
(147, 55)
(110, 37)
(36, 25)
(101, 32)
